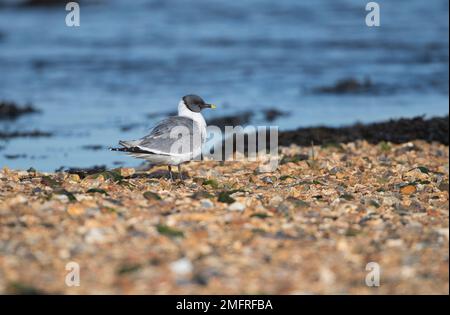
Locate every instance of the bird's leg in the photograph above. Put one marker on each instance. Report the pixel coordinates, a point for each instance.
(170, 172)
(180, 173)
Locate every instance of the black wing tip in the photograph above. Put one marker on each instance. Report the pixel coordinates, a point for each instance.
(131, 150)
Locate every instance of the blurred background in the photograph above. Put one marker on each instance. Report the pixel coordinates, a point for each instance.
(288, 63)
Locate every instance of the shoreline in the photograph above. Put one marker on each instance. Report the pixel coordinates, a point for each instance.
(396, 131)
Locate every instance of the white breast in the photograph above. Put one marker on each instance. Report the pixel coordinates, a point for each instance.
(197, 117)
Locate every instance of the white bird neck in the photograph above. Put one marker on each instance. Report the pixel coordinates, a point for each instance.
(197, 117)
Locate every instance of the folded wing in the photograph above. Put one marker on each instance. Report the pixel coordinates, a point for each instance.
(172, 136)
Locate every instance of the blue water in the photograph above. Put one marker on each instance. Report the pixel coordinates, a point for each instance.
(129, 59)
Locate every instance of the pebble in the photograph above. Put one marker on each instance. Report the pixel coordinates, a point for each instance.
(394, 243)
(61, 197)
(94, 235)
(18, 200)
(206, 203)
(390, 201)
(22, 173)
(444, 232)
(126, 172)
(408, 190)
(276, 200)
(236, 206)
(267, 179)
(75, 209)
(181, 267)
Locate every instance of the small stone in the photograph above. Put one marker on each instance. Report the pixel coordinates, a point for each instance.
(327, 276)
(127, 172)
(407, 272)
(94, 235)
(64, 253)
(394, 242)
(22, 173)
(267, 179)
(406, 147)
(275, 201)
(236, 206)
(444, 232)
(149, 195)
(18, 199)
(75, 209)
(206, 203)
(334, 170)
(74, 177)
(443, 186)
(283, 208)
(61, 197)
(181, 267)
(408, 189)
(390, 201)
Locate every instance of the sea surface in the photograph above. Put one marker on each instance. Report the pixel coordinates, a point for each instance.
(129, 62)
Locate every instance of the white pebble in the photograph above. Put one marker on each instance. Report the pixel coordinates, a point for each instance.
(444, 232)
(236, 206)
(181, 267)
(94, 235)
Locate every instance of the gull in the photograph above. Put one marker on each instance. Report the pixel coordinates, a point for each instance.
(164, 146)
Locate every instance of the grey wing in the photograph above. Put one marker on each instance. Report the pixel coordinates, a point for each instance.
(177, 132)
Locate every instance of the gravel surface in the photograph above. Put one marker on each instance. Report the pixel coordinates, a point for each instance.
(312, 226)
